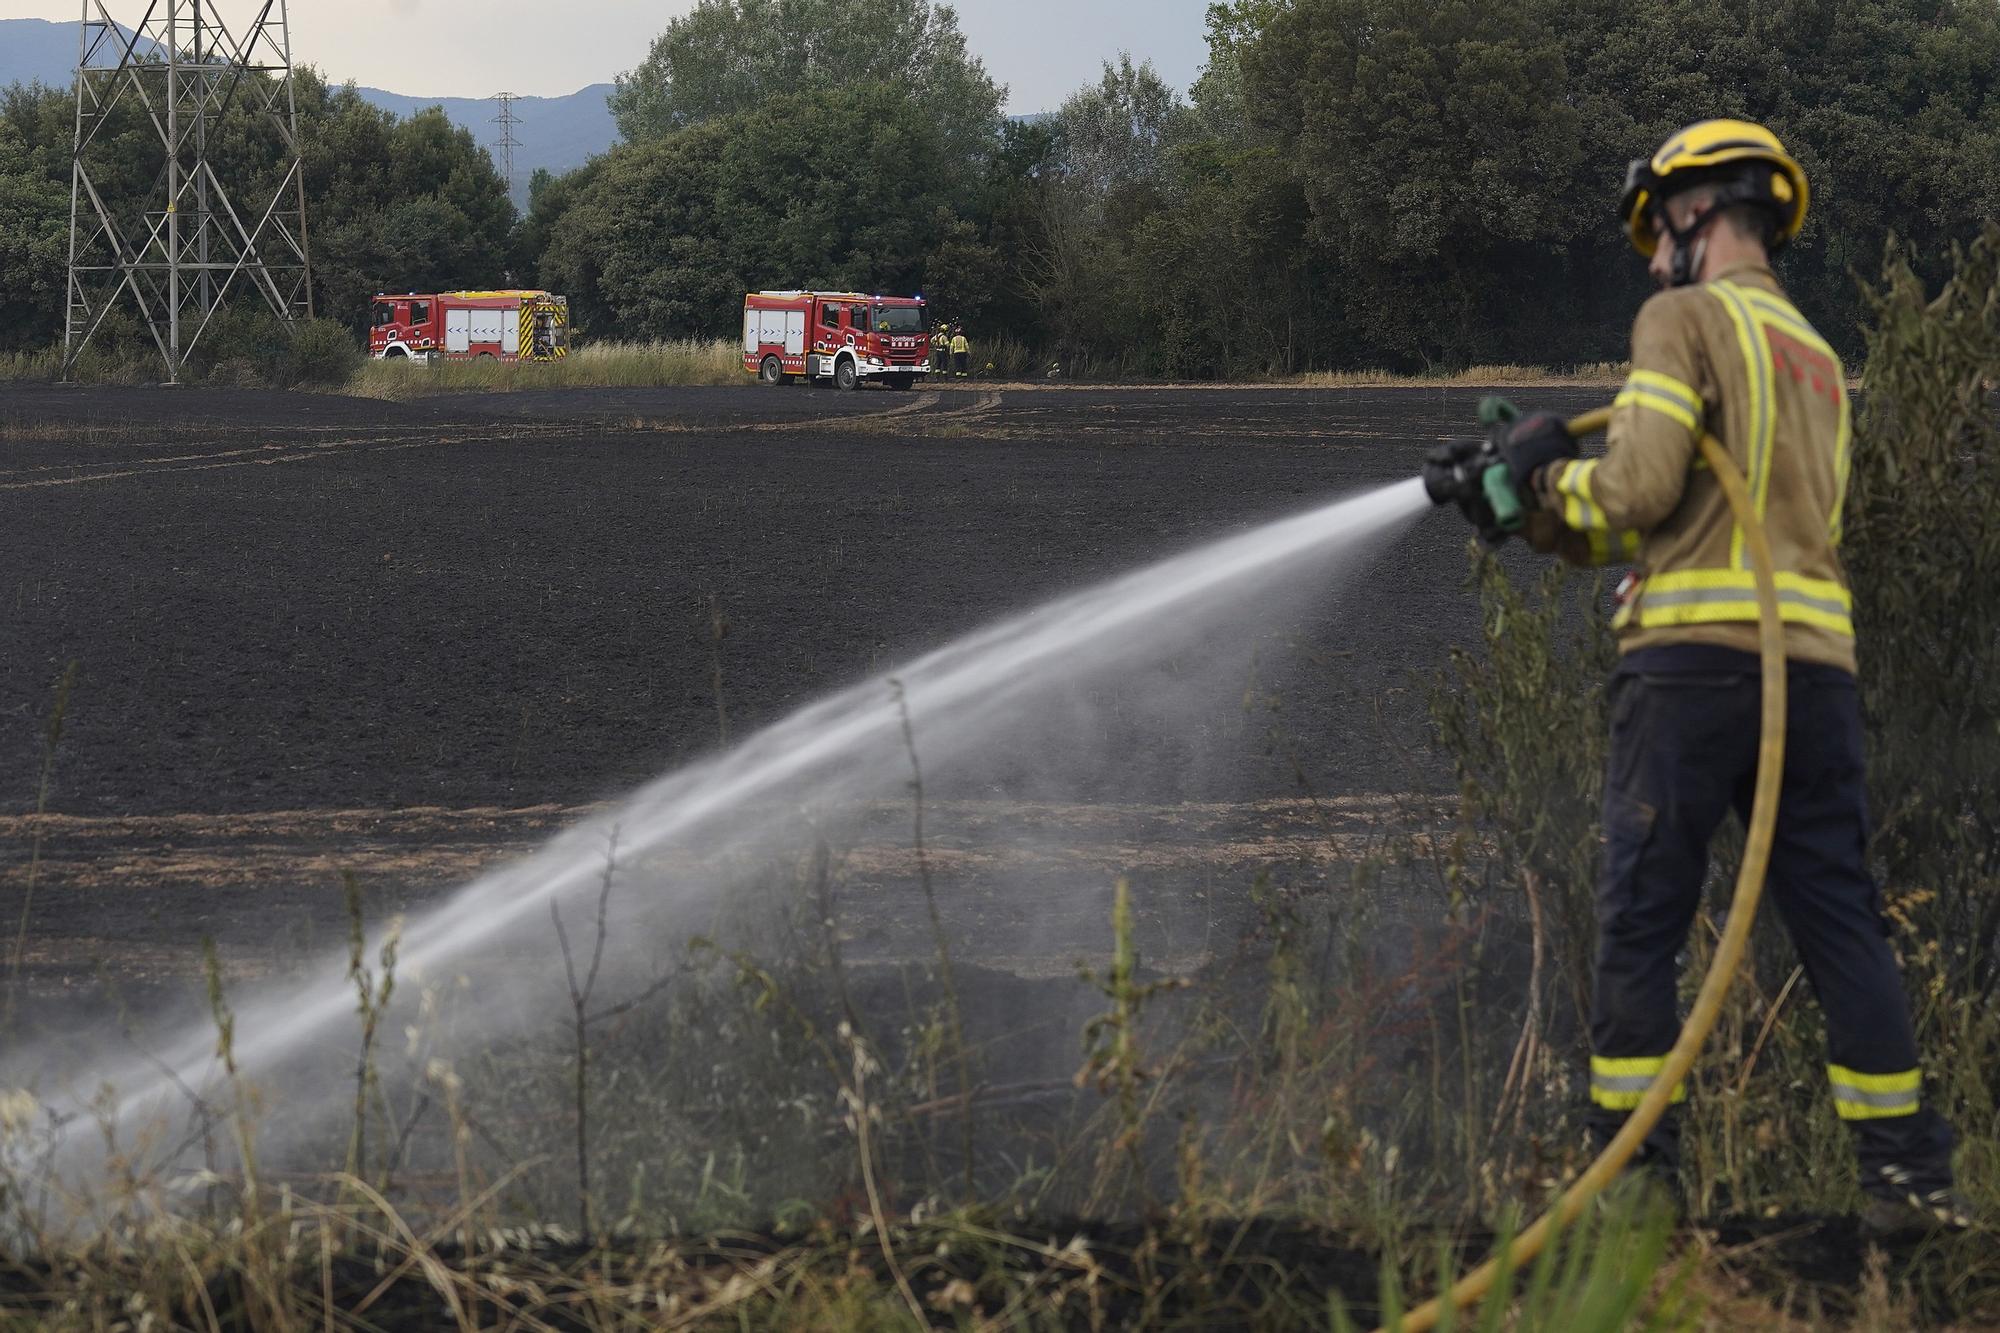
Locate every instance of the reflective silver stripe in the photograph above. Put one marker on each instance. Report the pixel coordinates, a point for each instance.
(1709, 596)
(1621, 1082)
(1887, 1100)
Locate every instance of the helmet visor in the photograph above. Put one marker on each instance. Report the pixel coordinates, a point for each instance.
(1635, 205)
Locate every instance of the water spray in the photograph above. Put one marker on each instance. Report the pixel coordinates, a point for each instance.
(1466, 475)
(847, 743)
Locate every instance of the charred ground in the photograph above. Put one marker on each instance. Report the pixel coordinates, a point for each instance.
(317, 632)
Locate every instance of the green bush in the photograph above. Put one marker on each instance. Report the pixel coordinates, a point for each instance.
(241, 343)
(1924, 553)
(324, 354)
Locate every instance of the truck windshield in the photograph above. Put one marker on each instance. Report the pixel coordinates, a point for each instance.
(899, 319)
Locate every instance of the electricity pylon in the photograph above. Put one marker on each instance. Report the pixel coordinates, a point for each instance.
(507, 120)
(179, 246)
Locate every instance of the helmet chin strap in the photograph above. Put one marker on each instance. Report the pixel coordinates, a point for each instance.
(1690, 244)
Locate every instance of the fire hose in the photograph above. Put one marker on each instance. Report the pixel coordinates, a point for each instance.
(1736, 930)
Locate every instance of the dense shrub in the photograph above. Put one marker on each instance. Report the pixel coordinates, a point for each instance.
(324, 354)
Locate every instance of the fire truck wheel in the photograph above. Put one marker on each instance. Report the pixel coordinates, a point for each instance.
(771, 371)
(844, 375)
(395, 354)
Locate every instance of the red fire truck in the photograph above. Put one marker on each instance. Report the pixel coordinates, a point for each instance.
(844, 337)
(459, 326)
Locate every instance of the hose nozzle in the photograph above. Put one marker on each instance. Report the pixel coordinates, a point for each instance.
(1472, 475)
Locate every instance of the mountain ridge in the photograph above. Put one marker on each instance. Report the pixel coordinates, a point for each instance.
(556, 133)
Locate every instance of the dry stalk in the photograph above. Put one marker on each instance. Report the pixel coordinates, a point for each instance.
(579, 1001)
(1515, 1087)
(961, 1057)
(372, 1000)
(718, 629)
(51, 737)
(860, 1114)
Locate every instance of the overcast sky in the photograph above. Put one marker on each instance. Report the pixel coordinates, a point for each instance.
(1041, 49)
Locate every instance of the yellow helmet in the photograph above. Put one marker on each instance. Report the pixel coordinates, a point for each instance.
(1742, 157)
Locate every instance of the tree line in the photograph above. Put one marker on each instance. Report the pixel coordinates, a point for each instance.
(1349, 182)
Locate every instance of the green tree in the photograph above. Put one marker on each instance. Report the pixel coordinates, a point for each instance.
(1114, 135)
(1109, 172)
(34, 246)
(397, 204)
(963, 274)
(727, 57)
(667, 235)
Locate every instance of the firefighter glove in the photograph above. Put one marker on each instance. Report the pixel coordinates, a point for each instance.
(1531, 444)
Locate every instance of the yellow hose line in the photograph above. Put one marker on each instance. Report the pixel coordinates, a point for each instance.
(1735, 934)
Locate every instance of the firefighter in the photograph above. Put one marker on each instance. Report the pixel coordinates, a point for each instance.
(941, 348)
(961, 352)
(1722, 350)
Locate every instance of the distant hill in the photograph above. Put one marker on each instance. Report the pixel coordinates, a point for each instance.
(38, 51)
(559, 133)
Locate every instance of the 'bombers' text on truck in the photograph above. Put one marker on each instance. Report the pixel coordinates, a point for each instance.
(839, 336)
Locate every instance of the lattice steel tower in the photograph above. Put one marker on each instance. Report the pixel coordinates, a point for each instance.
(507, 120)
(183, 245)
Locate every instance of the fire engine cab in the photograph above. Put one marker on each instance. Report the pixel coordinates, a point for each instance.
(844, 337)
(459, 326)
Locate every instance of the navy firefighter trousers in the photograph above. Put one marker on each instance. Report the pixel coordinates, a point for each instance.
(1684, 735)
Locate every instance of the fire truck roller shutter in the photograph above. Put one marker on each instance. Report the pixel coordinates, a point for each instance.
(457, 329)
(489, 326)
(771, 328)
(752, 321)
(795, 332)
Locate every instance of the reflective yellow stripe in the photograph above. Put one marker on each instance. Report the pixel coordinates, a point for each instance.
(1858, 1096)
(1709, 596)
(1666, 384)
(1580, 509)
(1666, 407)
(1786, 314)
(1757, 365)
(1787, 317)
(1618, 1084)
(1607, 546)
(1663, 394)
(1842, 449)
(1906, 1080)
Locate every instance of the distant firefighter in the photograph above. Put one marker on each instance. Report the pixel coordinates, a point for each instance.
(961, 352)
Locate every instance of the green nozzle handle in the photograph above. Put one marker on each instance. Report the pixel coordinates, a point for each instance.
(1497, 411)
(1498, 484)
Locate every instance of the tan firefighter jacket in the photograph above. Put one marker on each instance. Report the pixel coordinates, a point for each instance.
(1733, 357)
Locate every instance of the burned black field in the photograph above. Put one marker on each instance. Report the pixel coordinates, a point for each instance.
(328, 645)
(316, 631)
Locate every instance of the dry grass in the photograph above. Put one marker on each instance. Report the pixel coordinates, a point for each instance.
(596, 366)
(1601, 372)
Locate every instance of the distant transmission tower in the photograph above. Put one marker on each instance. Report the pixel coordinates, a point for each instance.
(507, 120)
(182, 245)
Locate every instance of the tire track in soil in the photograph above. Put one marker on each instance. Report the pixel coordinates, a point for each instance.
(264, 455)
